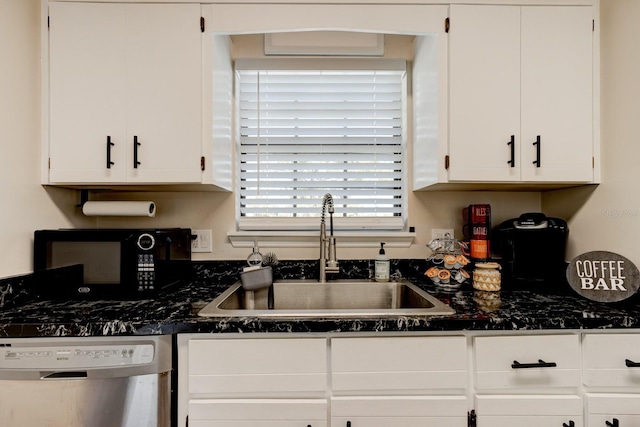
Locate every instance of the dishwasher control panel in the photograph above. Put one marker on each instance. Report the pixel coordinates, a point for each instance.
(16, 356)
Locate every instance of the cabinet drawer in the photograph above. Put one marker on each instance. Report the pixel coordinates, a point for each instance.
(257, 367)
(605, 360)
(603, 408)
(401, 411)
(258, 413)
(517, 361)
(529, 410)
(399, 363)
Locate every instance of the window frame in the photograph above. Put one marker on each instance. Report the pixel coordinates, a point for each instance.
(272, 225)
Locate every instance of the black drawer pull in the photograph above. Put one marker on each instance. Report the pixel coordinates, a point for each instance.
(614, 423)
(541, 364)
(537, 145)
(571, 424)
(512, 145)
(109, 145)
(631, 364)
(136, 144)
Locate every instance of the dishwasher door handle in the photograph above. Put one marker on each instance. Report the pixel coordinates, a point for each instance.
(63, 375)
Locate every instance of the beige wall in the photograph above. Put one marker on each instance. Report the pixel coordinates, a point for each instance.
(607, 217)
(427, 210)
(25, 205)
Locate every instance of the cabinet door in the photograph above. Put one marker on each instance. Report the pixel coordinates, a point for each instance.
(557, 94)
(605, 409)
(87, 75)
(120, 73)
(484, 93)
(258, 413)
(529, 410)
(611, 360)
(164, 100)
(399, 411)
(257, 367)
(525, 362)
(399, 363)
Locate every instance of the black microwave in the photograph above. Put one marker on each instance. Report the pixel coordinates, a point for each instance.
(109, 263)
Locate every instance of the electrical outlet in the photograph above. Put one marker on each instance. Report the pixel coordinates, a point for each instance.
(441, 233)
(202, 241)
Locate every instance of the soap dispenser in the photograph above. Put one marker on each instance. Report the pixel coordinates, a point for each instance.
(382, 265)
(255, 257)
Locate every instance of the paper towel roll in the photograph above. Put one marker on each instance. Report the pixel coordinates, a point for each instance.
(119, 208)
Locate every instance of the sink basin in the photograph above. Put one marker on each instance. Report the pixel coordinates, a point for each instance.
(334, 299)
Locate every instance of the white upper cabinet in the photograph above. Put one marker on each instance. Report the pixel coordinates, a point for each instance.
(125, 101)
(521, 94)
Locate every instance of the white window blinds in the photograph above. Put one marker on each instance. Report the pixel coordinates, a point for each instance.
(307, 132)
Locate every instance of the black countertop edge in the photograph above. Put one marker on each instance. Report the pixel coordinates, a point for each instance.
(515, 308)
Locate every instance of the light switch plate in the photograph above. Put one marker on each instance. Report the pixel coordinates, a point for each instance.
(202, 241)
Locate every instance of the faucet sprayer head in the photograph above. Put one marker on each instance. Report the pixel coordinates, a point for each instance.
(327, 200)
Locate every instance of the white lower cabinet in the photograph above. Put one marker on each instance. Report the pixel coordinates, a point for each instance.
(399, 364)
(611, 365)
(528, 381)
(399, 411)
(258, 413)
(475, 379)
(529, 411)
(613, 410)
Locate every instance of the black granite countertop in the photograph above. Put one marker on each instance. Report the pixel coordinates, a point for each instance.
(174, 310)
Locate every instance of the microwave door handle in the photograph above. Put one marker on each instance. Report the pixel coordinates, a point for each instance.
(167, 248)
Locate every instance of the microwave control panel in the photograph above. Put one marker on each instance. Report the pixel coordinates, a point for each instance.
(146, 263)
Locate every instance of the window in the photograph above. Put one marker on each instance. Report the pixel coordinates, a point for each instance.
(307, 128)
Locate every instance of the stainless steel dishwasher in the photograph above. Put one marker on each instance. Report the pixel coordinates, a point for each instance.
(82, 382)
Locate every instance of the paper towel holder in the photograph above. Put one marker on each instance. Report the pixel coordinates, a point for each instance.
(132, 208)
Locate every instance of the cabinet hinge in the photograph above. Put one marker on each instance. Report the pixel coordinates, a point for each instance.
(593, 163)
(49, 163)
(202, 24)
(202, 164)
(48, 22)
(446, 162)
(447, 24)
(471, 418)
(593, 25)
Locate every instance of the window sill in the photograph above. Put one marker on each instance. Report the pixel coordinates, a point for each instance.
(308, 239)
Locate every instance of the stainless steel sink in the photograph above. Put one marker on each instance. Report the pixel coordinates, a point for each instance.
(333, 299)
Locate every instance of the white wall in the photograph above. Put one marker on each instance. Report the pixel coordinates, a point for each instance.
(607, 217)
(25, 205)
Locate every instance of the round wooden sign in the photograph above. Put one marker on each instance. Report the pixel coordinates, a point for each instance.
(603, 276)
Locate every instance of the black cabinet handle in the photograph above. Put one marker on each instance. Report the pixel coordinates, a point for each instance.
(614, 423)
(109, 145)
(136, 144)
(512, 144)
(541, 364)
(571, 424)
(348, 423)
(631, 364)
(537, 145)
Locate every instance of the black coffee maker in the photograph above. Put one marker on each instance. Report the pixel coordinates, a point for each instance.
(532, 249)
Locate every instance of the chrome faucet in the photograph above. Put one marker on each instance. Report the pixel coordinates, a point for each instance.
(328, 261)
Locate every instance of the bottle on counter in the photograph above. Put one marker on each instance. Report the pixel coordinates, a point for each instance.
(382, 265)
